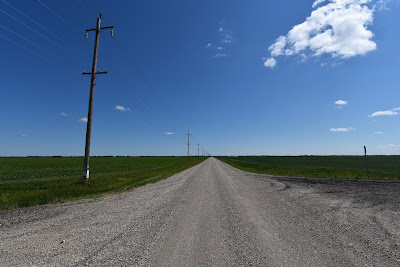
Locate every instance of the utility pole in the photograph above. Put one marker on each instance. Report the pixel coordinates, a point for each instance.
(91, 95)
(366, 163)
(188, 144)
(198, 150)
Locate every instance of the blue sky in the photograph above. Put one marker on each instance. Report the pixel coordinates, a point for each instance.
(244, 77)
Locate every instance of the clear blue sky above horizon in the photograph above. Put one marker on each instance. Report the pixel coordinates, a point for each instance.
(239, 75)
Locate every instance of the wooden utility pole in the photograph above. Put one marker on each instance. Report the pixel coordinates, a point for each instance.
(366, 163)
(188, 144)
(91, 95)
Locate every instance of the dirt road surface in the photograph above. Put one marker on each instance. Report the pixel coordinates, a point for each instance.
(214, 215)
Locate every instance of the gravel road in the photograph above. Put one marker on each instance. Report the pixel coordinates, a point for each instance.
(213, 214)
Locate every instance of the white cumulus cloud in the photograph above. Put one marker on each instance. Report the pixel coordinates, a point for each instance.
(277, 48)
(168, 133)
(341, 102)
(208, 45)
(64, 114)
(83, 120)
(342, 129)
(338, 28)
(317, 2)
(270, 63)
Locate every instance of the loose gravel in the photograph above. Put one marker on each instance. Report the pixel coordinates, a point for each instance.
(214, 215)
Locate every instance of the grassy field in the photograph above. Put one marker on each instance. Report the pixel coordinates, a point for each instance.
(33, 181)
(339, 167)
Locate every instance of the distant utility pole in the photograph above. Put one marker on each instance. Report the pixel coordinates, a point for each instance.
(366, 163)
(188, 144)
(198, 150)
(91, 95)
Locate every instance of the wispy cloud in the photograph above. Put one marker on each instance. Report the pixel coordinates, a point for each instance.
(220, 55)
(122, 108)
(388, 147)
(83, 120)
(64, 114)
(378, 132)
(22, 135)
(168, 133)
(342, 129)
(381, 5)
(339, 28)
(224, 42)
(391, 112)
(227, 38)
(341, 102)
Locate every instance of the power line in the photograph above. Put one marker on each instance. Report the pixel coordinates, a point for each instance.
(31, 28)
(24, 48)
(58, 16)
(43, 50)
(94, 6)
(136, 66)
(67, 48)
(41, 26)
(132, 61)
(19, 36)
(82, 5)
(31, 51)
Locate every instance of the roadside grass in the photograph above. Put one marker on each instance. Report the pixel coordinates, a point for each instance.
(33, 181)
(338, 167)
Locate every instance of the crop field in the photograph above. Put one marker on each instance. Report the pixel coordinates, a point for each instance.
(339, 167)
(40, 180)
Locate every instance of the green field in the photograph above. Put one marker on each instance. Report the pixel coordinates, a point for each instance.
(40, 180)
(339, 167)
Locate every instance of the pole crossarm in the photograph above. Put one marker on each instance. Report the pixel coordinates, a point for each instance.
(98, 72)
(102, 28)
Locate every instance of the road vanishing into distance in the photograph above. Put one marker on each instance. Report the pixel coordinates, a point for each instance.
(214, 215)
